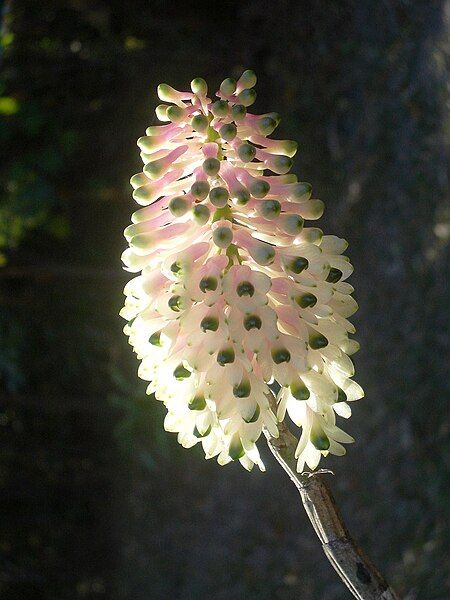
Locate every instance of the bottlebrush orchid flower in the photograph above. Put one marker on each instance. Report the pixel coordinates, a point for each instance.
(235, 296)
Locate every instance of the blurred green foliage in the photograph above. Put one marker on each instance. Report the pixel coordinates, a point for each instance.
(100, 501)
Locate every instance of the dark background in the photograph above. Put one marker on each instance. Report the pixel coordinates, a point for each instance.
(97, 501)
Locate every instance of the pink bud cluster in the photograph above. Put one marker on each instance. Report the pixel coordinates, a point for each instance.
(235, 294)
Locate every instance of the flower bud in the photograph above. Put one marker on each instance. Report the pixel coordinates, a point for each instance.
(228, 132)
(228, 87)
(259, 188)
(246, 97)
(247, 80)
(200, 123)
(222, 237)
(291, 224)
(246, 152)
(161, 112)
(238, 111)
(262, 253)
(269, 209)
(175, 114)
(211, 166)
(199, 86)
(219, 197)
(167, 93)
(301, 192)
(266, 125)
(178, 206)
(279, 164)
(200, 189)
(201, 214)
(241, 196)
(220, 108)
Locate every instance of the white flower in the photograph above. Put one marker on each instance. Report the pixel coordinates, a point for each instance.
(234, 293)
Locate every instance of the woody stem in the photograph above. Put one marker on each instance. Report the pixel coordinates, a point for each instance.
(355, 569)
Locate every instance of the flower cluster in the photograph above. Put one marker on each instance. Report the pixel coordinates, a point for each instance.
(234, 294)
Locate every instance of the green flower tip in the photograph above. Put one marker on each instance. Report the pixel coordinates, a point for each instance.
(298, 264)
(225, 356)
(209, 324)
(219, 197)
(247, 79)
(306, 300)
(300, 391)
(155, 338)
(220, 108)
(199, 86)
(243, 389)
(200, 189)
(270, 209)
(317, 341)
(175, 114)
(334, 275)
(198, 403)
(228, 86)
(238, 111)
(211, 166)
(178, 206)
(181, 372)
(255, 415)
(245, 288)
(252, 322)
(201, 214)
(281, 355)
(228, 132)
(205, 433)
(246, 152)
(236, 450)
(241, 196)
(176, 303)
(319, 439)
(259, 188)
(200, 123)
(208, 284)
(222, 237)
(246, 97)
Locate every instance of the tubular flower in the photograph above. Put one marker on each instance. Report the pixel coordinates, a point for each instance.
(234, 294)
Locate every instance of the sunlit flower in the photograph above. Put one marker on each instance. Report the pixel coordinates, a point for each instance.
(234, 293)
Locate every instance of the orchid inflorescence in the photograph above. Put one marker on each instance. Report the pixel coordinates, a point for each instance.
(235, 297)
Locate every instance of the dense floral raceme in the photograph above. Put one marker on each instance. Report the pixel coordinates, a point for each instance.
(235, 297)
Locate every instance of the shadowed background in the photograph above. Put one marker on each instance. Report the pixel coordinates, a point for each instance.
(97, 501)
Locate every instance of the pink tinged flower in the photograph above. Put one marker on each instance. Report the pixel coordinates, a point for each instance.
(234, 292)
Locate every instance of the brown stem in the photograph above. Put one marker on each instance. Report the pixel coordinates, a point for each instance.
(354, 568)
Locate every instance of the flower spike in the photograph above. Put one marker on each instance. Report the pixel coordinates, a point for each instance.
(235, 296)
